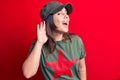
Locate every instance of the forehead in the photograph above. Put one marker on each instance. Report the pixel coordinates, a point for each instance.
(63, 9)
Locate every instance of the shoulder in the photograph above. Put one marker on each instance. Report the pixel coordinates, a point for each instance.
(76, 37)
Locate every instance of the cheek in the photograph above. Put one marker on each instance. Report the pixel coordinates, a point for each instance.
(57, 22)
(68, 19)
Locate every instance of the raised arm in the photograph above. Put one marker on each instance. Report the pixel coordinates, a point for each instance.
(31, 64)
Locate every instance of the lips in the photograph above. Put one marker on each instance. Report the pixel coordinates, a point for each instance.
(65, 23)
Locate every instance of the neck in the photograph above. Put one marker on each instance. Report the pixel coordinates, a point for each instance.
(58, 36)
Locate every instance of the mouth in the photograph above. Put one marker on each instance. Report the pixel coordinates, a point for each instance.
(65, 23)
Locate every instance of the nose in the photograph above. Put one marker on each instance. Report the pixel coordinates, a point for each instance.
(66, 16)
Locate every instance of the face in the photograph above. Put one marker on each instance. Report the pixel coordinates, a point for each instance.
(61, 20)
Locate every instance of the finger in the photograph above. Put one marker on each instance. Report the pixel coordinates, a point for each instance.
(38, 27)
(41, 25)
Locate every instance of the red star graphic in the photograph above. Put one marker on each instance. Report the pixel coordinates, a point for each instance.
(61, 66)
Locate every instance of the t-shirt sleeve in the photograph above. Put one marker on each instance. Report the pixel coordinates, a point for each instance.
(81, 47)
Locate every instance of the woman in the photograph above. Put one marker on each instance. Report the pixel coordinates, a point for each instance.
(59, 53)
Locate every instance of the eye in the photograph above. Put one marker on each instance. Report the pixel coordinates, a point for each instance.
(59, 13)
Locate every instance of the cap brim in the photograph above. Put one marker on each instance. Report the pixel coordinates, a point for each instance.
(68, 8)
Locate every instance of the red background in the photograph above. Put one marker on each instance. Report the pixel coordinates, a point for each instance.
(96, 21)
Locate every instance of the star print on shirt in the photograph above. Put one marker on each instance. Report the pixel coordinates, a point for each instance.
(61, 66)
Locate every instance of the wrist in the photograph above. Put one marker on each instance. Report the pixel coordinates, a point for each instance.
(39, 43)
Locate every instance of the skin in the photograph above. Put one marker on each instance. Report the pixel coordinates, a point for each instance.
(59, 18)
(31, 64)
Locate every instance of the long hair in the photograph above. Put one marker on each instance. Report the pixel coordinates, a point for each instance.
(50, 28)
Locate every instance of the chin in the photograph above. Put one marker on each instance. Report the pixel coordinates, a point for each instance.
(65, 31)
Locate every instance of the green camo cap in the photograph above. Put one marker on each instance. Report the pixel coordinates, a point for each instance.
(53, 7)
